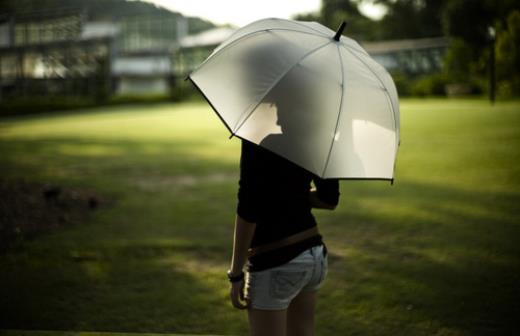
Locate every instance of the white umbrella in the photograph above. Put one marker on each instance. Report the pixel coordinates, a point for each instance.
(308, 94)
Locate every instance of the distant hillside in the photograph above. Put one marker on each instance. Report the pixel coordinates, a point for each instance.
(97, 10)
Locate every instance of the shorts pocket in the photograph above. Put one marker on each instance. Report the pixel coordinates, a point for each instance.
(324, 269)
(286, 284)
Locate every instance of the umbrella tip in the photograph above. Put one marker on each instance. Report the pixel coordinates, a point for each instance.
(340, 31)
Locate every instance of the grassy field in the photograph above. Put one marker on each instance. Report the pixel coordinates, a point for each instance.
(437, 253)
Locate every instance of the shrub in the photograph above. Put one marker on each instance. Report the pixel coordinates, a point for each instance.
(508, 56)
(430, 85)
(36, 104)
(402, 83)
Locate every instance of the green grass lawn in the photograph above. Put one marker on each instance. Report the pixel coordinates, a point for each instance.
(437, 253)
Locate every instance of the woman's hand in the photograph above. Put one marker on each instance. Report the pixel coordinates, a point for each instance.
(243, 235)
(237, 295)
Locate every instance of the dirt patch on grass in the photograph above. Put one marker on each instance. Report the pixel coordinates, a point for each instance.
(28, 209)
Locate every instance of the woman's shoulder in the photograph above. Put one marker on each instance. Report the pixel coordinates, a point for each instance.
(271, 141)
(262, 150)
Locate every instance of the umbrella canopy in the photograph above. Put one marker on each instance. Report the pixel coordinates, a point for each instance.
(308, 94)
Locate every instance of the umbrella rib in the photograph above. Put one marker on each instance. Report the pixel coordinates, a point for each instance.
(339, 113)
(252, 110)
(389, 101)
(316, 30)
(278, 19)
(249, 35)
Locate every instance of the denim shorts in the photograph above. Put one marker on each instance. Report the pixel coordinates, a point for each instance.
(275, 288)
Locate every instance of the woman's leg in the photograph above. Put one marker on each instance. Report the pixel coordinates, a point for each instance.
(300, 314)
(267, 322)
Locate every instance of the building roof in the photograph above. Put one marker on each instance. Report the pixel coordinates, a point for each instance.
(400, 45)
(209, 37)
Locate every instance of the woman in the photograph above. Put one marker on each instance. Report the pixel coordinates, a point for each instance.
(276, 233)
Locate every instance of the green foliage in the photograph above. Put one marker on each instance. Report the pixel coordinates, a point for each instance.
(41, 104)
(404, 19)
(471, 23)
(402, 83)
(100, 10)
(466, 22)
(411, 19)
(183, 90)
(38, 104)
(469, 20)
(307, 17)
(436, 84)
(458, 60)
(102, 80)
(334, 12)
(429, 85)
(508, 56)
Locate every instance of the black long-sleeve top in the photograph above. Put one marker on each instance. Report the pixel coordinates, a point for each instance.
(274, 193)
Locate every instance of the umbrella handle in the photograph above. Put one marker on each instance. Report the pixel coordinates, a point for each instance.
(340, 31)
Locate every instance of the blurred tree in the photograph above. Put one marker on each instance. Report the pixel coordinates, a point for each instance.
(98, 10)
(469, 23)
(334, 12)
(508, 55)
(473, 24)
(403, 19)
(411, 18)
(102, 80)
(313, 16)
(469, 20)
(458, 60)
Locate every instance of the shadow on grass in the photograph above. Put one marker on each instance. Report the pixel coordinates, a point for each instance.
(153, 262)
(441, 261)
(133, 288)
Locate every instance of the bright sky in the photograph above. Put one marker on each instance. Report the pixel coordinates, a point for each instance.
(242, 12)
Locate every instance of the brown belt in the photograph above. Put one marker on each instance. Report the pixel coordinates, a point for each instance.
(295, 238)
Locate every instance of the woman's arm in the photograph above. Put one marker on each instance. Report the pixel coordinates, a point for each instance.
(245, 223)
(242, 237)
(325, 195)
(319, 204)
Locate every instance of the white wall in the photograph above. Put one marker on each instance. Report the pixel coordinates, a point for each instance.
(152, 85)
(4, 35)
(142, 65)
(99, 29)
